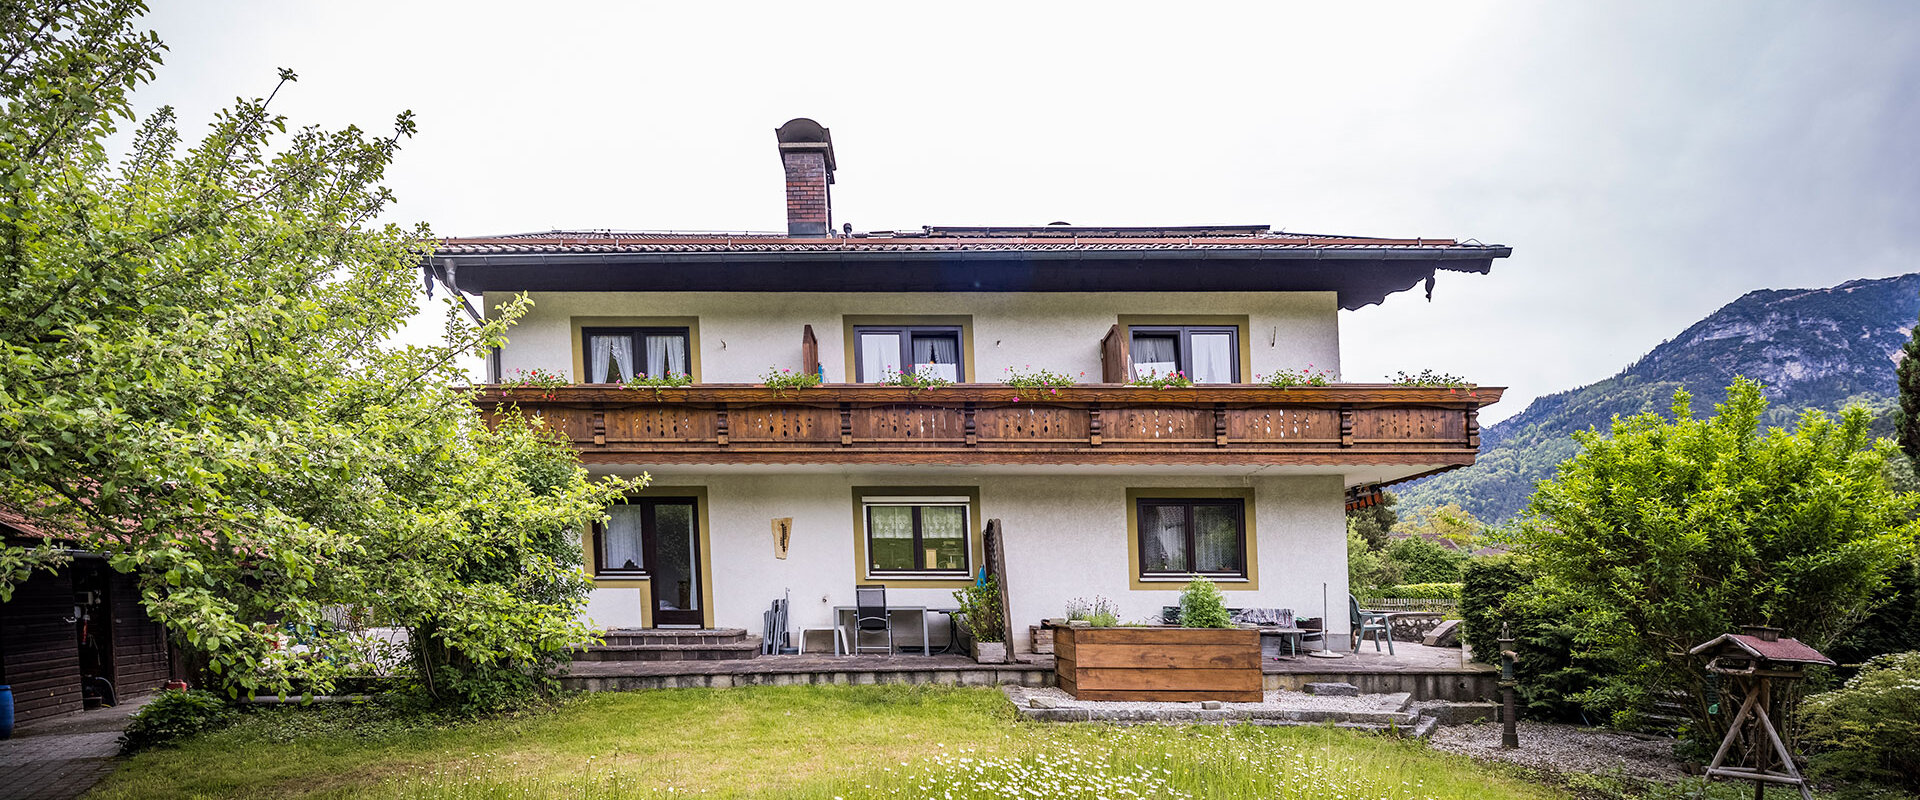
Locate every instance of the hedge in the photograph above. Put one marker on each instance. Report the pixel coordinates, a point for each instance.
(1423, 591)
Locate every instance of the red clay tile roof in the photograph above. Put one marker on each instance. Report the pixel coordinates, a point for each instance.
(934, 240)
(1783, 649)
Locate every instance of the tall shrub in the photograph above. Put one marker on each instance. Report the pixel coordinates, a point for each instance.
(1672, 531)
(1420, 560)
(1549, 676)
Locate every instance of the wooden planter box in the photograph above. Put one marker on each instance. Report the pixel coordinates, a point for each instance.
(1042, 636)
(1159, 664)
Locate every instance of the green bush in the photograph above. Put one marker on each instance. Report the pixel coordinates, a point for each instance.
(175, 714)
(1546, 670)
(1485, 585)
(1202, 606)
(1423, 591)
(1894, 627)
(1422, 560)
(1870, 728)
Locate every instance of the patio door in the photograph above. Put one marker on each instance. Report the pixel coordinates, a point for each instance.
(673, 536)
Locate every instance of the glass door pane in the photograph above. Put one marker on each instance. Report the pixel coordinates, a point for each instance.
(676, 565)
(666, 355)
(609, 358)
(1213, 358)
(1155, 355)
(879, 356)
(937, 356)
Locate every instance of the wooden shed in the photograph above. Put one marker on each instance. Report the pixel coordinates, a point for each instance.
(78, 635)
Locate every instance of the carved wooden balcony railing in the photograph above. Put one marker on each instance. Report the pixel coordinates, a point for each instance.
(985, 424)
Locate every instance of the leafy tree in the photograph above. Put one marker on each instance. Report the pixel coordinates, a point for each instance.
(1375, 522)
(1448, 523)
(1366, 570)
(1906, 415)
(1670, 532)
(195, 381)
(1422, 560)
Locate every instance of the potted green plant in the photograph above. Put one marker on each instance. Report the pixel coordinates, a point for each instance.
(980, 611)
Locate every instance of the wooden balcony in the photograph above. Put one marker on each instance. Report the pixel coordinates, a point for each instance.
(1345, 424)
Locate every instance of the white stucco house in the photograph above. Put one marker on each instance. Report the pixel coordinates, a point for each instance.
(1100, 488)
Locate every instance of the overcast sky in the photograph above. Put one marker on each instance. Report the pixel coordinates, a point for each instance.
(1648, 162)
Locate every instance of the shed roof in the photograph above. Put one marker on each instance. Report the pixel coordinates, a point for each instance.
(1782, 650)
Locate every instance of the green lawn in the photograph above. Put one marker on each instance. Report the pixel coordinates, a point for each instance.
(792, 742)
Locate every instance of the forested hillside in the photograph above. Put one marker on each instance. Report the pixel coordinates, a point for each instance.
(1813, 348)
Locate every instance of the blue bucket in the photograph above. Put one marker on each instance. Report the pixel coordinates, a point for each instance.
(6, 711)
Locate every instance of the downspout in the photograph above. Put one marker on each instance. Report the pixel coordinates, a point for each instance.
(448, 274)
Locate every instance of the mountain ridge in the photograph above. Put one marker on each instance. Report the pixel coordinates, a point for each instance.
(1812, 349)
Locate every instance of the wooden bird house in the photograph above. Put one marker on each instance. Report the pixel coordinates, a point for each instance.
(1752, 661)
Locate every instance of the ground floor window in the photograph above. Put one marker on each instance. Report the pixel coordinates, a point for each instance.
(1192, 536)
(917, 536)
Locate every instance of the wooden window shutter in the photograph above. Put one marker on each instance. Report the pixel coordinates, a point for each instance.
(1116, 365)
(809, 351)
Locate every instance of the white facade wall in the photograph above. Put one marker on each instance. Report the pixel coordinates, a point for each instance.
(1066, 537)
(742, 334)
(1066, 528)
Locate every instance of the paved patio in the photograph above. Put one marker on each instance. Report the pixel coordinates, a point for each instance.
(61, 758)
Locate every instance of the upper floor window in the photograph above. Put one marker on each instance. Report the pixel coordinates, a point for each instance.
(1205, 353)
(618, 354)
(931, 351)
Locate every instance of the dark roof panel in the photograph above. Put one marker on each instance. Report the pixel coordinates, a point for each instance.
(1046, 259)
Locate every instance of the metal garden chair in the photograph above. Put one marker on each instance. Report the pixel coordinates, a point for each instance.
(1377, 624)
(870, 615)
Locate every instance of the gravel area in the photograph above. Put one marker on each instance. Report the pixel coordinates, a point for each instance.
(1566, 749)
(1277, 699)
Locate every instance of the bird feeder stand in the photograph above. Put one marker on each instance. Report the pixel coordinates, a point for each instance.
(1753, 661)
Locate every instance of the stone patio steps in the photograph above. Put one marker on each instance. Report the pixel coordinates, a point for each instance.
(673, 644)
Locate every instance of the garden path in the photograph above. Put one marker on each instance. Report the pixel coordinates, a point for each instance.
(61, 758)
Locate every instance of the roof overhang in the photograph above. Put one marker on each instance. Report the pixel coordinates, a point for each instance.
(1361, 276)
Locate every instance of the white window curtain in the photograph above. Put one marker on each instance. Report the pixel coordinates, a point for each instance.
(879, 356)
(1216, 539)
(1155, 355)
(1164, 540)
(610, 359)
(667, 355)
(943, 522)
(621, 540)
(1212, 358)
(937, 357)
(890, 537)
(890, 522)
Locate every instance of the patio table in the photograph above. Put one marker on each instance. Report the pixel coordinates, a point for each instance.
(926, 646)
(1293, 637)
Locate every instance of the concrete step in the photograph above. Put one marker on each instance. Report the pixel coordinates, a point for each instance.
(723, 651)
(639, 636)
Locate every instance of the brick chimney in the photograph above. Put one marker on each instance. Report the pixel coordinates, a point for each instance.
(806, 151)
